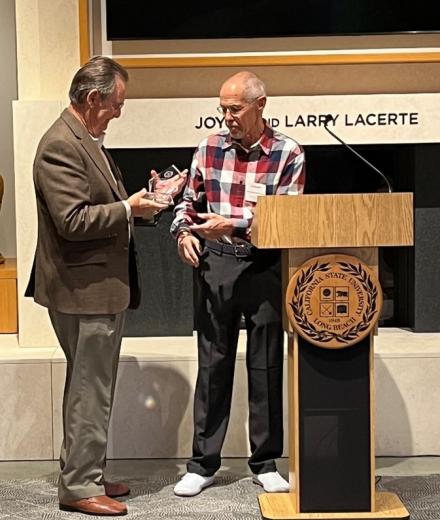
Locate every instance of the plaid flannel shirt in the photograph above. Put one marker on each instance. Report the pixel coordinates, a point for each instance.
(220, 169)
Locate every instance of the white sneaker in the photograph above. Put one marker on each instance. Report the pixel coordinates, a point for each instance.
(191, 484)
(272, 482)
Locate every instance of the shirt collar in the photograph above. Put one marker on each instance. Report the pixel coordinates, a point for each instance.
(265, 141)
(98, 140)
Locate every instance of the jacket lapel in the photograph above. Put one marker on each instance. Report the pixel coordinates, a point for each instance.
(91, 148)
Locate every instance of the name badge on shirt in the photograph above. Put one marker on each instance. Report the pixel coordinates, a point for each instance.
(253, 190)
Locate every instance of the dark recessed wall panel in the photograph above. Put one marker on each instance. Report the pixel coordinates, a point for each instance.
(167, 287)
(427, 270)
(167, 303)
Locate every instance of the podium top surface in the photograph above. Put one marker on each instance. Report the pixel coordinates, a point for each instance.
(333, 220)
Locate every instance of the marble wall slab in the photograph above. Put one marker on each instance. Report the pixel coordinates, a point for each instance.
(153, 410)
(25, 411)
(407, 398)
(152, 415)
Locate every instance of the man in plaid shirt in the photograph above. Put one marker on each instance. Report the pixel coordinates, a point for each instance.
(212, 226)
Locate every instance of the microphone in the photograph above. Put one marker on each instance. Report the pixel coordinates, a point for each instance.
(327, 120)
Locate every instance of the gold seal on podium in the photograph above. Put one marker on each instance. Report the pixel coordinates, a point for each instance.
(333, 301)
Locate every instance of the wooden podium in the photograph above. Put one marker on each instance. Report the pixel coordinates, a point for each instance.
(333, 301)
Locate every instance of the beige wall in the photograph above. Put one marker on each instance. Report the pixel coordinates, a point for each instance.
(8, 92)
(48, 55)
(47, 47)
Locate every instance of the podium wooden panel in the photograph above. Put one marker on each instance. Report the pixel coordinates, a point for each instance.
(346, 220)
(8, 296)
(306, 227)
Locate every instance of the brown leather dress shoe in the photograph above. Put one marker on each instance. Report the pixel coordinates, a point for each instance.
(116, 489)
(100, 506)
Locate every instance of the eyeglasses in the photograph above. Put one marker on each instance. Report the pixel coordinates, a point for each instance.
(117, 106)
(113, 104)
(235, 110)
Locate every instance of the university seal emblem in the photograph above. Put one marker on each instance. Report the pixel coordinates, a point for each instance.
(333, 301)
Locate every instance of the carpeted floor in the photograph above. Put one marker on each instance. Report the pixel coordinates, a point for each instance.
(420, 495)
(231, 498)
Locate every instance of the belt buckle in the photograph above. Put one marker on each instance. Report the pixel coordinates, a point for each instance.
(241, 251)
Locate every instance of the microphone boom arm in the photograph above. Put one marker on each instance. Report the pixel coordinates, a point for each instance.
(390, 189)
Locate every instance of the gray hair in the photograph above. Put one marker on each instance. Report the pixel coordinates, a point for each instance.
(98, 73)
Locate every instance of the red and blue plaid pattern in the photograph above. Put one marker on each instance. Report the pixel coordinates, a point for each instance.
(219, 170)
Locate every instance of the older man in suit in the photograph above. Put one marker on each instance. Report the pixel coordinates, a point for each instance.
(86, 275)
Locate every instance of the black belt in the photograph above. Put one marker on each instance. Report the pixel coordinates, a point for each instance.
(237, 250)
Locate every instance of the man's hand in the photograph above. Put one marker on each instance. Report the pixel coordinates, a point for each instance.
(189, 249)
(215, 226)
(141, 207)
(171, 186)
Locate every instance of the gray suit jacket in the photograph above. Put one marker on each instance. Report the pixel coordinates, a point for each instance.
(84, 263)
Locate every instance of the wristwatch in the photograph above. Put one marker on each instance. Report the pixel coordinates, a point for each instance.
(184, 233)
